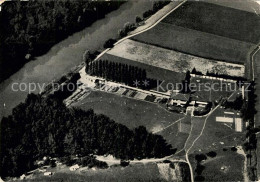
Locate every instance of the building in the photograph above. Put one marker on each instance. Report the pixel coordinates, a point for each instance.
(47, 173)
(177, 99)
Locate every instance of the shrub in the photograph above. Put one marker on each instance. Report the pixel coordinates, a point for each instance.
(109, 43)
(212, 154)
(234, 149)
(122, 33)
(138, 19)
(124, 163)
(200, 157)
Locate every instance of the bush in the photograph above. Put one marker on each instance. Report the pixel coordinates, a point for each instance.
(124, 163)
(172, 165)
(200, 157)
(212, 154)
(234, 149)
(147, 14)
(138, 19)
(68, 161)
(109, 43)
(122, 33)
(52, 163)
(199, 169)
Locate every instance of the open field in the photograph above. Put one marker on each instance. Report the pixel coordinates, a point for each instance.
(218, 20)
(231, 162)
(196, 43)
(172, 60)
(217, 135)
(134, 113)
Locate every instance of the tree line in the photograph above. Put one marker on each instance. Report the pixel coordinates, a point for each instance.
(46, 127)
(118, 72)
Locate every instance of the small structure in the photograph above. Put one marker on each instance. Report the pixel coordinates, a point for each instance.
(74, 168)
(48, 174)
(224, 119)
(238, 124)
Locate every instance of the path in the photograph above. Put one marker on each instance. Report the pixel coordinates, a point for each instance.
(150, 23)
(197, 138)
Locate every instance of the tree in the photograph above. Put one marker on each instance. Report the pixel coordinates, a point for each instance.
(122, 33)
(138, 19)
(109, 43)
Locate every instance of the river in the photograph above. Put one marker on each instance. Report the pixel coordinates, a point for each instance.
(67, 54)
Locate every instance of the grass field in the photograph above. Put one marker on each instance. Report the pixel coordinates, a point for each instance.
(230, 160)
(196, 43)
(137, 172)
(172, 60)
(218, 20)
(215, 133)
(134, 113)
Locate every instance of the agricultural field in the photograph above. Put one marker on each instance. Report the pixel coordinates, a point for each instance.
(134, 113)
(196, 43)
(172, 60)
(215, 19)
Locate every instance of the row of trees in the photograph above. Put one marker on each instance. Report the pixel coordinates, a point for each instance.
(118, 72)
(32, 27)
(46, 127)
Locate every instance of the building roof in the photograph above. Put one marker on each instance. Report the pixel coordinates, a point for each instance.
(178, 96)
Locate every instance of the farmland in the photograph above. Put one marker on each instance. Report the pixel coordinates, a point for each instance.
(217, 20)
(196, 43)
(172, 60)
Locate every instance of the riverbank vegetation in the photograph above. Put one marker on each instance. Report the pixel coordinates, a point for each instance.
(29, 29)
(46, 127)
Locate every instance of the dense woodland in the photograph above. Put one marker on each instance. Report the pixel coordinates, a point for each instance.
(46, 127)
(122, 73)
(29, 29)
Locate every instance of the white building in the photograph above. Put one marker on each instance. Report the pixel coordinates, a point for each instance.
(47, 173)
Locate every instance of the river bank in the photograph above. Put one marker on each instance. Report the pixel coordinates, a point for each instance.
(67, 54)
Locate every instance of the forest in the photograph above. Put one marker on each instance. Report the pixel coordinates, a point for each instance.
(44, 126)
(30, 28)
